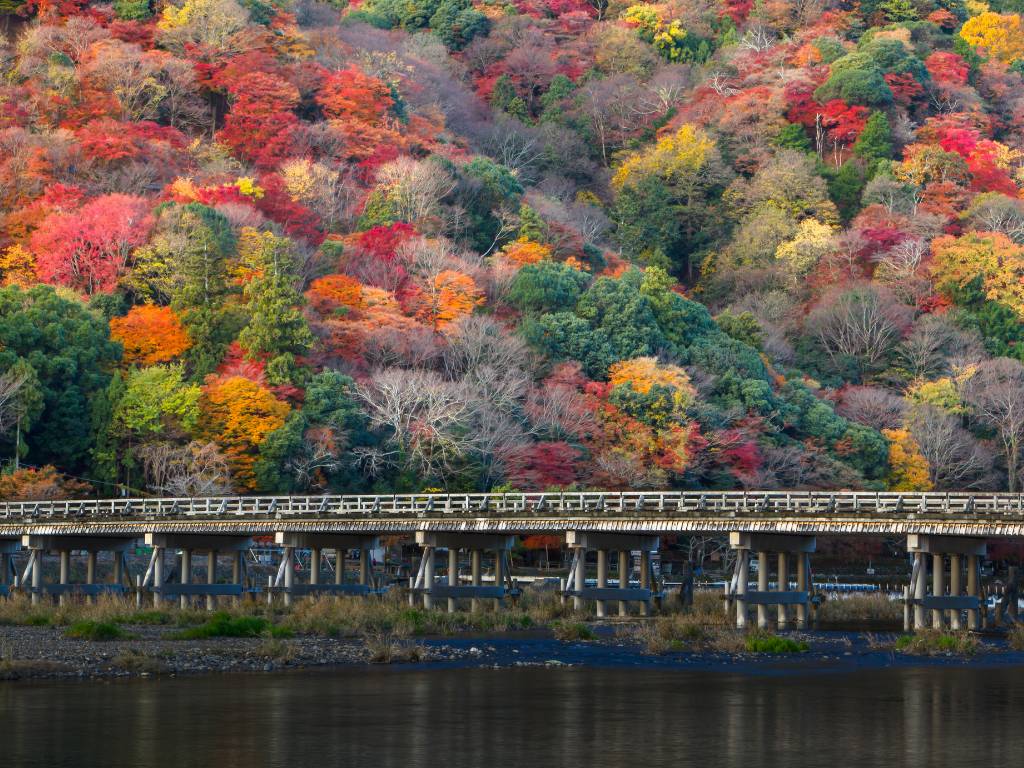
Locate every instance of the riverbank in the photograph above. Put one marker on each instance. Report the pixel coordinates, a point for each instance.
(114, 639)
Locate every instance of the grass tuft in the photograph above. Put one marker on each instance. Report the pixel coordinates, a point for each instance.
(931, 642)
(88, 629)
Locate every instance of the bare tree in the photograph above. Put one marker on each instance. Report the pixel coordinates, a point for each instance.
(757, 38)
(861, 324)
(196, 469)
(955, 459)
(996, 393)
(872, 406)
(995, 212)
(415, 188)
(933, 345)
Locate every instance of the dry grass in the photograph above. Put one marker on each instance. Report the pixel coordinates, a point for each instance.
(933, 642)
(1016, 637)
(276, 649)
(139, 662)
(385, 648)
(840, 609)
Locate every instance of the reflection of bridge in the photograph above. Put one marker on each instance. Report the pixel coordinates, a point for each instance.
(950, 526)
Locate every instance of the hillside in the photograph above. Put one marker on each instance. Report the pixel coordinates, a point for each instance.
(408, 244)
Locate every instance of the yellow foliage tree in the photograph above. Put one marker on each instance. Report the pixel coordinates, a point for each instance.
(642, 374)
(812, 242)
(678, 159)
(1000, 262)
(17, 266)
(908, 468)
(941, 393)
(238, 414)
(998, 34)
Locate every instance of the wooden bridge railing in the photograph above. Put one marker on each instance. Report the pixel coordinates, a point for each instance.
(594, 504)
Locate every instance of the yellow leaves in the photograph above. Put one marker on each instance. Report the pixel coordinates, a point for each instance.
(17, 266)
(677, 159)
(299, 179)
(908, 468)
(248, 187)
(525, 251)
(184, 189)
(942, 393)
(999, 261)
(813, 241)
(999, 35)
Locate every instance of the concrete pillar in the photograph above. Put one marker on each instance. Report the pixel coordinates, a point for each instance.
(476, 576)
(428, 577)
(1013, 588)
(211, 577)
(954, 589)
(602, 578)
(938, 587)
(921, 567)
(623, 580)
(906, 609)
(236, 573)
(186, 574)
(117, 577)
(339, 566)
(972, 590)
(65, 567)
(314, 566)
(581, 579)
(90, 572)
(782, 585)
(801, 585)
(37, 577)
(158, 576)
(364, 566)
(645, 580)
(453, 576)
(499, 572)
(743, 574)
(762, 586)
(289, 574)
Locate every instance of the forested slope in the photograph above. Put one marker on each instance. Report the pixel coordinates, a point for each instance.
(409, 244)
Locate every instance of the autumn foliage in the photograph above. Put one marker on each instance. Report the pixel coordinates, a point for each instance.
(150, 335)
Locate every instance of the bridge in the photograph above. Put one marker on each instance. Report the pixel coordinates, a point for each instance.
(950, 527)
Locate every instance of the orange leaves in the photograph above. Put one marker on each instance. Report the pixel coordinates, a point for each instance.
(643, 373)
(239, 414)
(450, 296)
(335, 295)
(908, 468)
(357, 105)
(150, 335)
(525, 251)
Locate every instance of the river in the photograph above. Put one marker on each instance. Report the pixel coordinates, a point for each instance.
(524, 717)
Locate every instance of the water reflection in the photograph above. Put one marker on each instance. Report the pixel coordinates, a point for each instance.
(521, 717)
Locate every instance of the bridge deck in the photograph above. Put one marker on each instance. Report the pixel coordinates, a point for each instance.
(840, 512)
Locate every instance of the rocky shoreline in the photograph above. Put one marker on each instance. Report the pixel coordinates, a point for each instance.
(45, 653)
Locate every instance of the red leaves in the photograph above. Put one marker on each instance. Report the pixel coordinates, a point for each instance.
(89, 249)
(540, 466)
(844, 123)
(947, 68)
(261, 126)
(904, 87)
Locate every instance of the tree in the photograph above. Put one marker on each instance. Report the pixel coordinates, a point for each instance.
(69, 349)
(239, 414)
(997, 260)
(276, 328)
(546, 286)
(449, 296)
(150, 335)
(908, 468)
(998, 35)
(261, 125)
(996, 393)
(955, 459)
(875, 141)
(88, 250)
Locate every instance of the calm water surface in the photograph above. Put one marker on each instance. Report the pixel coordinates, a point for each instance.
(522, 717)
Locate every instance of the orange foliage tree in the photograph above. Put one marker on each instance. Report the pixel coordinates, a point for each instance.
(450, 296)
(238, 414)
(150, 335)
(29, 484)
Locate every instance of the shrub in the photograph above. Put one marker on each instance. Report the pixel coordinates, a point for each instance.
(95, 630)
(225, 625)
(761, 642)
(572, 631)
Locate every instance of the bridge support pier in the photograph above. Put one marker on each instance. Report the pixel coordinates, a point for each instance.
(8, 547)
(451, 590)
(192, 544)
(738, 594)
(64, 545)
(316, 543)
(624, 543)
(940, 605)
